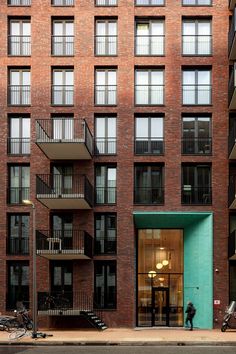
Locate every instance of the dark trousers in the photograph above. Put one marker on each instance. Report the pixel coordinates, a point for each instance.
(190, 320)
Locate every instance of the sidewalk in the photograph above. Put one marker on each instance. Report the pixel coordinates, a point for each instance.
(126, 336)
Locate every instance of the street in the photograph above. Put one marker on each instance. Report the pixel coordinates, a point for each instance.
(116, 349)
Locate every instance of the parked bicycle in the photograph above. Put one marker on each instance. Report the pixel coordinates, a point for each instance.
(230, 314)
(17, 325)
(57, 302)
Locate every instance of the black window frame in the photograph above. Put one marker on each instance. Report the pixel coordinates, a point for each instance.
(105, 304)
(109, 246)
(18, 245)
(18, 294)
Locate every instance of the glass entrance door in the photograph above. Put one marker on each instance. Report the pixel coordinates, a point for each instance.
(160, 306)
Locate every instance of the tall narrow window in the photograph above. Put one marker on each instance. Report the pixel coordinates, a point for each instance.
(196, 135)
(149, 37)
(148, 185)
(197, 37)
(19, 136)
(149, 136)
(18, 283)
(19, 40)
(63, 127)
(149, 87)
(105, 284)
(106, 37)
(105, 184)
(18, 234)
(63, 87)
(62, 179)
(63, 37)
(105, 235)
(196, 184)
(62, 225)
(19, 87)
(19, 183)
(105, 87)
(197, 87)
(105, 135)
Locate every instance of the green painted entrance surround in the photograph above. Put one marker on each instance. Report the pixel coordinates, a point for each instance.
(198, 256)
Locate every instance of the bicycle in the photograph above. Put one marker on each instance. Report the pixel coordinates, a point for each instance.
(17, 324)
(58, 302)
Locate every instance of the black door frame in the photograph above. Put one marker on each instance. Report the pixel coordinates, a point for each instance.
(156, 289)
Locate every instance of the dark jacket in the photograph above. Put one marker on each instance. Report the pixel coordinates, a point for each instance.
(190, 310)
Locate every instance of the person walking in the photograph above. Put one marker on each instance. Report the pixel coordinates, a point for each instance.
(190, 314)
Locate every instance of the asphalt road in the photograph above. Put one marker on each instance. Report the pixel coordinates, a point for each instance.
(116, 350)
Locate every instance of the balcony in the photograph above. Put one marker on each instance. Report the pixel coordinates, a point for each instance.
(149, 195)
(149, 45)
(106, 45)
(18, 146)
(232, 246)
(232, 38)
(64, 191)
(63, 45)
(19, 95)
(16, 195)
(62, 95)
(18, 245)
(232, 4)
(67, 245)
(152, 146)
(232, 90)
(197, 146)
(64, 139)
(196, 195)
(19, 45)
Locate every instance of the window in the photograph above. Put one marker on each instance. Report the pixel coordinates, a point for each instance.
(148, 184)
(19, 136)
(150, 2)
(106, 2)
(19, 39)
(196, 184)
(149, 135)
(196, 135)
(105, 284)
(106, 37)
(19, 87)
(19, 2)
(196, 87)
(197, 37)
(149, 37)
(63, 37)
(62, 179)
(61, 274)
(105, 129)
(105, 184)
(18, 283)
(63, 87)
(63, 2)
(149, 87)
(105, 234)
(62, 127)
(18, 234)
(105, 87)
(62, 225)
(19, 183)
(197, 2)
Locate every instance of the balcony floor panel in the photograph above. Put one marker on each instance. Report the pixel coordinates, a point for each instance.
(62, 255)
(61, 150)
(64, 202)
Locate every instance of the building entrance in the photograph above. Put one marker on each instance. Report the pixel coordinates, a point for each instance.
(160, 306)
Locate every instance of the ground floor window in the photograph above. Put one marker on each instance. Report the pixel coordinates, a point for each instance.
(18, 283)
(160, 277)
(105, 284)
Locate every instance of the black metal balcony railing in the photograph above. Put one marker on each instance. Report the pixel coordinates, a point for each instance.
(197, 94)
(65, 242)
(19, 45)
(18, 146)
(149, 94)
(150, 2)
(105, 146)
(105, 195)
(63, 45)
(232, 85)
(18, 246)
(19, 95)
(149, 45)
(16, 195)
(19, 2)
(62, 95)
(149, 195)
(106, 45)
(197, 44)
(232, 189)
(196, 195)
(63, 2)
(66, 129)
(105, 94)
(105, 245)
(196, 146)
(106, 2)
(67, 186)
(153, 146)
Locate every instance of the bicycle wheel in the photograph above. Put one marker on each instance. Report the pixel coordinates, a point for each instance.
(18, 333)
